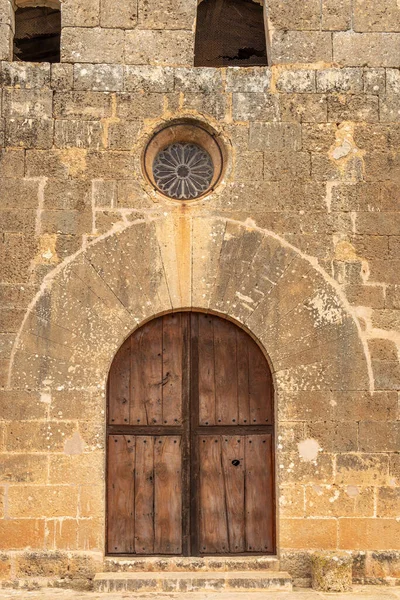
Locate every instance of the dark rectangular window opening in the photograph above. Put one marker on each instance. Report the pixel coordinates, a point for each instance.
(37, 34)
(230, 33)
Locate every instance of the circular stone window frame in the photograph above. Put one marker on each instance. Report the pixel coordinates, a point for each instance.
(185, 132)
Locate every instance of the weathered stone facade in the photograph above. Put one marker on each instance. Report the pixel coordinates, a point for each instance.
(300, 244)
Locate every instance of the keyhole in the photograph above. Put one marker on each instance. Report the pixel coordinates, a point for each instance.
(236, 463)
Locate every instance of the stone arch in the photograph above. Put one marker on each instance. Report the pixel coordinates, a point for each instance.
(89, 305)
(56, 4)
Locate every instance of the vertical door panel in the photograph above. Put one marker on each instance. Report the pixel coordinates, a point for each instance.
(233, 483)
(258, 493)
(213, 530)
(206, 369)
(121, 494)
(144, 495)
(226, 392)
(172, 356)
(167, 495)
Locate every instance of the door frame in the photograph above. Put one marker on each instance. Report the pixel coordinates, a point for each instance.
(189, 430)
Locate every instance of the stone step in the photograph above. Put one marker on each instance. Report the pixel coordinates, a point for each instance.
(189, 581)
(185, 563)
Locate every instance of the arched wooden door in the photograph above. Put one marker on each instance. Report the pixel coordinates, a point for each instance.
(190, 442)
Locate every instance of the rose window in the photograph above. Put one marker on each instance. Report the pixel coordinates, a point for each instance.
(183, 171)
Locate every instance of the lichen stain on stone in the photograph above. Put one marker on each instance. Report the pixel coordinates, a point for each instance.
(74, 445)
(346, 252)
(45, 397)
(327, 309)
(308, 450)
(75, 160)
(344, 153)
(352, 491)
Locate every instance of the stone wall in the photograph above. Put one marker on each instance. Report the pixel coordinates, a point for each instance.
(307, 214)
(145, 32)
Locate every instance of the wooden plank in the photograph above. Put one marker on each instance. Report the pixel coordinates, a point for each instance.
(147, 373)
(206, 370)
(119, 386)
(144, 495)
(242, 354)
(260, 387)
(233, 448)
(137, 413)
(213, 529)
(186, 433)
(258, 493)
(167, 495)
(121, 494)
(226, 390)
(172, 351)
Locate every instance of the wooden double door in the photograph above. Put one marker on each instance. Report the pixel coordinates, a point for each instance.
(190, 444)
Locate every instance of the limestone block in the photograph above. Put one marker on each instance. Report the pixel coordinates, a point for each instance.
(139, 106)
(149, 79)
(42, 501)
(17, 221)
(29, 133)
(18, 534)
(385, 271)
(159, 47)
(92, 45)
(121, 14)
(62, 76)
(91, 502)
(318, 137)
(5, 566)
(360, 295)
(275, 136)
(78, 469)
(27, 104)
(287, 164)
(47, 163)
(368, 534)
(66, 194)
(199, 79)
(340, 80)
(331, 572)
(255, 107)
(21, 406)
(303, 108)
(374, 81)
(307, 533)
(130, 194)
(87, 106)
(393, 81)
(382, 166)
(388, 502)
(124, 135)
(307, 15)
(390, 108)
(248, 79)
(104, 193)
(19, 193)
(249, 166)
(38, 436)
(6, 41)
(167, 14)
(25, 75)
(301, 47)
(387, 374)
(6, 344)
(7, 13)
(370, 16)
(353, 108)
(379, 436)
(105, 78)
(78, 134)
(336, 15)
(70, 222)
(339, 501)
(11, 163)
(23, 468)
(215, 105)
(291, 501)
(80, 14)
(366, 49)
(110, 165)
(334, 436)
(296, 81)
